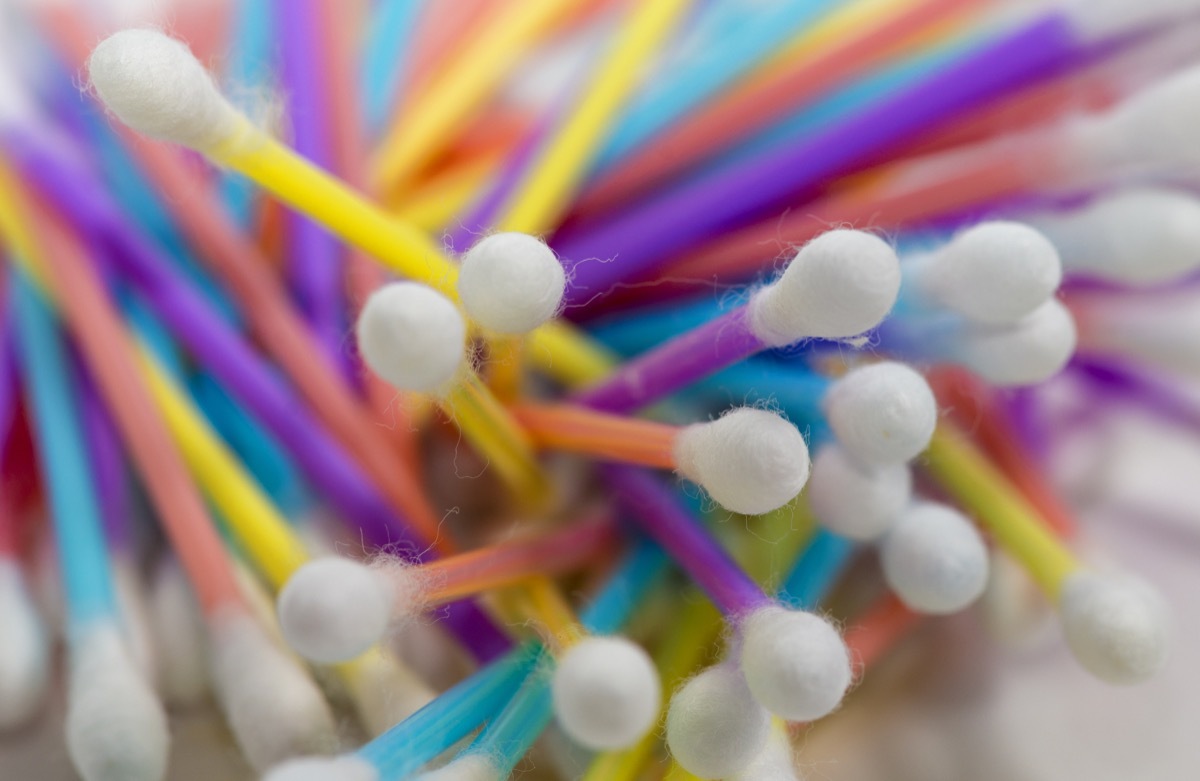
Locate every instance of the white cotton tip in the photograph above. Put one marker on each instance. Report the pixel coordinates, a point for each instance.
(116, 727)
(1117, 627)
(1141, 236)
(934, 559)
(385, 691)
(273, 707)
(24, 651)
(1026, 353)
(344, 768)
(412, 336)
(774, 763)
(1153, 129)
(1098, 19)
(853, 500)
(135, 620)
(154, 84)
(841, 284)
(15, 106)
(178, 630)
(715, 727)
(881, 414)
(795, 663)
(332, 609)
(994, 272)
(511, 283)
(471, 767)
(606, 693)
(748, 460)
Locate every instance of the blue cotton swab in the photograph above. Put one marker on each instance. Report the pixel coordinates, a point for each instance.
(116, 728)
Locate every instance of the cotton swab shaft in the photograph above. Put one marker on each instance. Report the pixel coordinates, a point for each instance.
(574, 429)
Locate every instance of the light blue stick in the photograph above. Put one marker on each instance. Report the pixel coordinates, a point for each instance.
(83, 558)
(386, 58)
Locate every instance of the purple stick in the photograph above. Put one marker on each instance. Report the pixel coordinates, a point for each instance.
(75, 189)
(675, 364)
(314, 256)
(659, 514)
(107, 458)
(643, 237)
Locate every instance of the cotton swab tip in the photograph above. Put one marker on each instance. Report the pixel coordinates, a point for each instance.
(795, 663)
(511, 283)
(853, 500)
(116, 727)
(840, 284)
(154, 84)
(412, 336)
(882, 414)
(1025, 353)
(715, 727)
(934, 559)
(1117, 627)
(994, 272)
(333, 609)
(343, 768)
(469, 767)
(275, 709)
(749, 460)
(606, 693)
(24, 653)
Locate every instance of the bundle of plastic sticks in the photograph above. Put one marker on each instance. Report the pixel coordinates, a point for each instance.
(596, 388)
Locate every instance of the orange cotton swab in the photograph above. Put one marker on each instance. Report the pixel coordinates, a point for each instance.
(333, 608)
(252, 675)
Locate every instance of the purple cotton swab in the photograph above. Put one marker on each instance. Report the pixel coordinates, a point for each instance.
(646, 235)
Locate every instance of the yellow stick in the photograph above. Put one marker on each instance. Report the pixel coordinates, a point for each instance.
(546, 189)
(984, 491)
(463, 88)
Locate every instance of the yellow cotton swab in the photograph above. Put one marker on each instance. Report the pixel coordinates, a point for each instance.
(462, 88)
(154, 84)
(545, 192)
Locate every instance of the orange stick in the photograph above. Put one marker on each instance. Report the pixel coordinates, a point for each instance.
(554, 553)
(109, 353)
(240, 265)
(612, 437)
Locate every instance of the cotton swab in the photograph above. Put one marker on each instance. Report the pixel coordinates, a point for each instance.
(839, 285)
(415, 339)
(178, 631)
(138, 93)
(1139, 236)
(934, 559)
(992, 273)
(24, 657)
(250, 672)
(1115, 625)
(116, 728)
(645, 237)
(749, 460)
(334, 608)
(856, 501)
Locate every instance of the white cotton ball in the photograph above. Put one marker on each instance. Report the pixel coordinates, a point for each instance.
(24, 650)
(131, 604)
(1026, 353)
(1152, 129)
(332, 609)
(384, 690)
(881, 414)
(934, 559)
(468, 767)
(841, 284)
(1094, 20)
(116, 727)
(1117, 627)
(795, 663)
(511, 283)
(273, 707)
(412, 336)
(715, 727)
(774, 763)
(994, 272)
(1138, 236)
(344, 768)
(853, 500)
(749, 460)
(154, 84)
(178, 630)
(606, 693)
